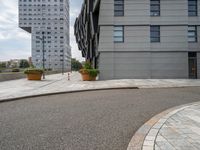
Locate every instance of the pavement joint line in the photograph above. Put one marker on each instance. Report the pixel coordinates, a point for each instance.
(143, 132)
(63, 92)
(50, 83)
(170, 114)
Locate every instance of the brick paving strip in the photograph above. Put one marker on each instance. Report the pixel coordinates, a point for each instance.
(174, 129)
(55, 84)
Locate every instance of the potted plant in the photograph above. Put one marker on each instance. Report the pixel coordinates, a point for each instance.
(33, 73)
(88, 72)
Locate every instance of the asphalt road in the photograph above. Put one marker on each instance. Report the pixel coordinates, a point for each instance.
(101, 120)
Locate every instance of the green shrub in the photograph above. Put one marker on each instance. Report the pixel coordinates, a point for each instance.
(75, 65)
(15, 70)
(87, 68)
(93, 72)
(33, 71)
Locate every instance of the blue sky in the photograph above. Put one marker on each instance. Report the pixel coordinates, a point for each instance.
(16, 43)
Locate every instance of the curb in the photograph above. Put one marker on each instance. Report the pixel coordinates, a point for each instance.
(65, 92)
(141, 139)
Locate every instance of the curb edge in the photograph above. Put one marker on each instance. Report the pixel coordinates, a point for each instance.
(64, 92)
(136, 142)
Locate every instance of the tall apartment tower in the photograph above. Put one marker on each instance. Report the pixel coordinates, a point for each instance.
(141, 38)
(48, 23)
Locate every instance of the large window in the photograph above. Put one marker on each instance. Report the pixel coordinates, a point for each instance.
(192, 33)
(118, 7)
(155, 7)
(155, 33)
(192, 8)
(118, 34)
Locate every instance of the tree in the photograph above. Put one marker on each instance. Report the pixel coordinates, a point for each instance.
(2, 65)
(24, 63)
(76, 65)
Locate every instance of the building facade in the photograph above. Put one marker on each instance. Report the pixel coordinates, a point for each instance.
(141, 38)
(48, 23)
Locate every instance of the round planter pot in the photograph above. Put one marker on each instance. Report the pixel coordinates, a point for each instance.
(92, 78)
(85, 77)
(36, 77)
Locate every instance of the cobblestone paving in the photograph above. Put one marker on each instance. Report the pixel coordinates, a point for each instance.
(178, 130)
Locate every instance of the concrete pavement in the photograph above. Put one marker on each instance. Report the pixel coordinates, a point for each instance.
(59, 83)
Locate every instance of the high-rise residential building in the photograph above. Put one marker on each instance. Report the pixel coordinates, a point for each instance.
(48, 23)
(141, 38)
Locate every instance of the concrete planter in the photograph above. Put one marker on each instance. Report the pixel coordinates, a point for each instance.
(87, 77)
(36, 77)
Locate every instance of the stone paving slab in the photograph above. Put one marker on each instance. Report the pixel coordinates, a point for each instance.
(175, 129)
(59, 83)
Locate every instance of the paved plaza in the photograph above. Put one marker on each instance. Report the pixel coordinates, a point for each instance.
(181, 130)
(59, 83)
(174, 129)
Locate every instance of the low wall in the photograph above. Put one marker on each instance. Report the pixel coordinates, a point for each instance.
(11, 76)
(18, 75)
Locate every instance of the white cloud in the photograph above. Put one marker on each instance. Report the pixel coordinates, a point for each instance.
(16, 43)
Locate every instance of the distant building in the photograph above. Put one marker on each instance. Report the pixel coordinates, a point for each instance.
(141, 38)
(48, 23)
(13, 63)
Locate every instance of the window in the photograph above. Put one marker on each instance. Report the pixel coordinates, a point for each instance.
(192, 33)
(155, 7)
(192, 8)
(192, 54)
(118, 7)
(118, 34)
(155, 33)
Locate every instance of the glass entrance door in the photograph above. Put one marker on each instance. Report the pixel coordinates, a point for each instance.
(192, 56)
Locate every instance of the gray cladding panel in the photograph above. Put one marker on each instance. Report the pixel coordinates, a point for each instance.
(137, 38)
(106, 65)
(198, 65)
(169, 65)
(106, 38)
(137, 12)
(172, 12)
(173, 38)
(143, 65)
(106, 15)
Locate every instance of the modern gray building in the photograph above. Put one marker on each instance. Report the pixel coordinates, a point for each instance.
(48, 23)
(141, 38)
